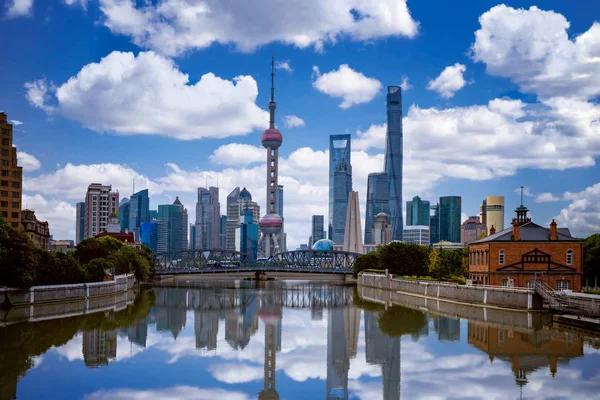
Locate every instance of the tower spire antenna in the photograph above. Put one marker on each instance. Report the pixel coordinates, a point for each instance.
(521, 195)
(272, 102)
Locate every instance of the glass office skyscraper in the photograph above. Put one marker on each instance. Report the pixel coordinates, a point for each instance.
(176, 216)
(318, 232)
(342, 186)
(124, 215)
(450, 209)
(434, 224)
(339, 152)
(417, 212)
(139, 211)
(208, 219)
(378, 194)
(80, 227)
(393, 158)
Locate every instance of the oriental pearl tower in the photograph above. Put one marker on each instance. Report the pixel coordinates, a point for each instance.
(270, 224)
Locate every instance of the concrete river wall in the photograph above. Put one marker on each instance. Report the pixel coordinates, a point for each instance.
(58, 301)
(525, 299)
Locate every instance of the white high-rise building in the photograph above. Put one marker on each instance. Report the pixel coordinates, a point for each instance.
(416, 234)
(100, 203)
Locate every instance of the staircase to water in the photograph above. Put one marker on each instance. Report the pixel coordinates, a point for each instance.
(564, 303)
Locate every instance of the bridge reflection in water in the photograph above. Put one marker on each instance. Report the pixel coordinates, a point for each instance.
(222, 261)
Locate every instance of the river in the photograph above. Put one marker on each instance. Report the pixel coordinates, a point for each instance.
(290, 340)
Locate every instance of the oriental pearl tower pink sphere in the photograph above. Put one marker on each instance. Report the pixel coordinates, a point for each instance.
(271, 223)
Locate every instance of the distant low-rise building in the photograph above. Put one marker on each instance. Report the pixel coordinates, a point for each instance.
(471, 230)
(444, 245)
(526, 252)
(37, 230)
(113, 229)
(416, 234)
(62, 246)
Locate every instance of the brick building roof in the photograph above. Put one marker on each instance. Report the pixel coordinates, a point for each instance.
(530, 232)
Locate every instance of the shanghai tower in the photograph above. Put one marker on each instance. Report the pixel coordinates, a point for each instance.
(271, 223)
(393, 158)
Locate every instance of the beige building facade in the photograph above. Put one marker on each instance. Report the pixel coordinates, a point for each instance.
(11, 176)
(491, 213)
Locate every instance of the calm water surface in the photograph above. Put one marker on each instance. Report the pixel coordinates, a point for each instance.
(293, 340)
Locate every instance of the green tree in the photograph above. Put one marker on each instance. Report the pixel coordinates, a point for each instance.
(18, 257)
(92, 248)
(482, 236)
(95, 269)
(404, 259)
(131, 260)
(591, 259)
(367, 261)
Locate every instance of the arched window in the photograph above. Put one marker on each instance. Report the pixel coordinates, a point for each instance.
(569, 257)
(501, 257)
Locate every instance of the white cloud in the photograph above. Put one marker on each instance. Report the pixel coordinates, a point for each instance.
(71, 181)
(450, 81)
(352, 86)
(18, 8)
(28, 161)
(292, 121)
(82, 3)
(59, 214)
(546, 198)
(170, 393)
(582, 216)
(38, 94)
(405, 85)
(373, 137)
(532, 47)
(148, 95)
(238, 154)
(173, 27)
(15, 122)
(286, 65)
(236, 373)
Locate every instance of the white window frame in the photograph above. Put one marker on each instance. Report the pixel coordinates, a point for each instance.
(569, 257)
(563, 285)
(501, 257)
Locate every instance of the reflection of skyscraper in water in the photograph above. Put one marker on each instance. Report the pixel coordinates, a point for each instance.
(271, 315)
(171, 313)
(342, 340)
(448, 329)
(385, 351)
(138, 332)
(99, 347)
(206, 327)
(242, 323)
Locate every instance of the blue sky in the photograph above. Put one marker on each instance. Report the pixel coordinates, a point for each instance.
(496, 96)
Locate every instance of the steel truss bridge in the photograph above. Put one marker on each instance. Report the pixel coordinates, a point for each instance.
(305, 295)
(223, 261)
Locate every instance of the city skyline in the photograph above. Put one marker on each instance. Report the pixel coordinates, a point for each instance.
(446, 82)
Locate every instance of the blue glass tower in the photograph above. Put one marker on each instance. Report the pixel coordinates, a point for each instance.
(342, 186)
(417, 212)
(393, 158)
(139, 211)
(80, 226)
(339, 155)
(124, 212)
(378, 194)
(434, 224)
(248, 235)
(450, 210)
(149, 235)
(176, 217)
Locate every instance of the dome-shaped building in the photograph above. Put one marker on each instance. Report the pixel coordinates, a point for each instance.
(323, 245)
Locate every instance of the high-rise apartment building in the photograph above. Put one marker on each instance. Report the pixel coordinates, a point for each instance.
(342, 186)
(393, 158)
(378, 194)
(79, 222)
(317, 229)
(11, 180)
(238, 201)
(450, 212)
(339, 153)
(471, 230)
(434, 224)
(417, 212)
(100, 203)
(353, 232)
(493, 213)
(381, 231)
(208, 219)
(124, 207)
(176, 219)
(139, 211)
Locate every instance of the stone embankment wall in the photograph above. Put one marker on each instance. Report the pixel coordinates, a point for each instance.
(525, 299)
(63, 309)
(58, 293)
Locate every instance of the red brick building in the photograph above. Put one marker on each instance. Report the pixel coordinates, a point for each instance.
(526, 251)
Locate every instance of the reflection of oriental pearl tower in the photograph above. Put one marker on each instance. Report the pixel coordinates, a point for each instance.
(270, 224)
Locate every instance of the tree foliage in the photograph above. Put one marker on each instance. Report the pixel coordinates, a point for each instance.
(591, 259)
(398, 258)
(24, 264)
(444, 264)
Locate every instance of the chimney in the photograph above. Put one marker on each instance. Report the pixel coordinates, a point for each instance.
(516, 235)
(492, 230)
(553, 231)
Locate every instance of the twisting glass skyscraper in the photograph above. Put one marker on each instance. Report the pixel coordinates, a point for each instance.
(393, 158)
(378, 193)
(339, 160)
